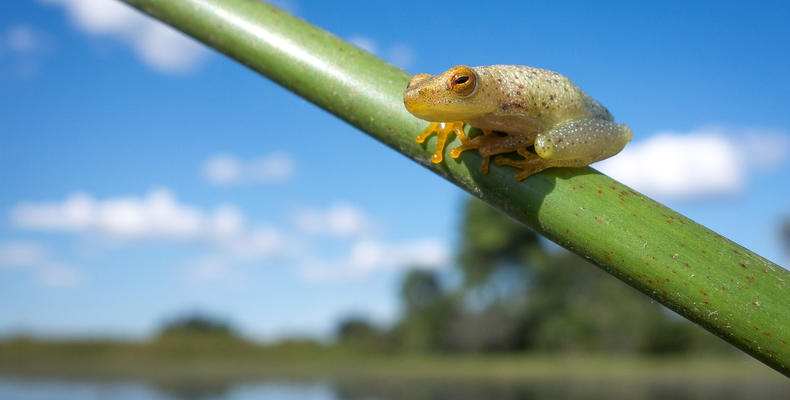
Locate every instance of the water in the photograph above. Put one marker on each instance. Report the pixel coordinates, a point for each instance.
(49, 389)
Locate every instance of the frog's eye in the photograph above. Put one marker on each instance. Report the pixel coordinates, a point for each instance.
(463, 81)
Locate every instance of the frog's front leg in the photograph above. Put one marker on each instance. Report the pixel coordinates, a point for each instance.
(573, 144)
(476, 143)
(442, 130)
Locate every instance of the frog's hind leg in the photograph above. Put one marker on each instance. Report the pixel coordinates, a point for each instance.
(475, 144)
(573, 144)
(530, 165)
(443, 131)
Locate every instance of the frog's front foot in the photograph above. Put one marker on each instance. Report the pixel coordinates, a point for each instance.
(443, 131)
(530, 165)
(475, 143)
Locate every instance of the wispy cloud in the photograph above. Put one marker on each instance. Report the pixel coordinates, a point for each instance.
(289, 6)
(399, 54)
(22, 254)
(706, 162)
(59, 275)
(157, 44)
(21, 39)
(230, 242)
(365, 43)
(216, 269)
(226, 169)
(367, 256)
(23, 45)
(35, 258)
(338, 220)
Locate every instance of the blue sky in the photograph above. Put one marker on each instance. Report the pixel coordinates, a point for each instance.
(145, 176)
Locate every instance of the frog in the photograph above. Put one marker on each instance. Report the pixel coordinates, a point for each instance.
(539, 114)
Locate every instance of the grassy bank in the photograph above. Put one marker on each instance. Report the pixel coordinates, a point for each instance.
(230, 360)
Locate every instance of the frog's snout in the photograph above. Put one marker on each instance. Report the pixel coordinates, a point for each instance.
(414, 100)
(412, 97)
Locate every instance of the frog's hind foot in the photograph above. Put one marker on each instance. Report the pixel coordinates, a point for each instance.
(530, 165)
(443, 131)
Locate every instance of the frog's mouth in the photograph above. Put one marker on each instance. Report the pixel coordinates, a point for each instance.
(424, 106)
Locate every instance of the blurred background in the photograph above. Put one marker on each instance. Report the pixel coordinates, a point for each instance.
(173, 225)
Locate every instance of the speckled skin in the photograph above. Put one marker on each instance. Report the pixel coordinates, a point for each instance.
(530, 105)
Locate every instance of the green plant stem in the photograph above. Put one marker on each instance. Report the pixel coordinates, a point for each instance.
(730, 291)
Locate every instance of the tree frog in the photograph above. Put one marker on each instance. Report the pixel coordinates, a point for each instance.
(516, 107)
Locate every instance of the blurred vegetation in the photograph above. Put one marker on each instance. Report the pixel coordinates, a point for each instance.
(518, 293)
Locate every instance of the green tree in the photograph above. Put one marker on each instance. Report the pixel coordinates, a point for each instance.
(520, 293)
(358, 334)
(426, 312)
(197, 325)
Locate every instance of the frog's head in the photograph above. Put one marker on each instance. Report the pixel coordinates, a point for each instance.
(453, 95)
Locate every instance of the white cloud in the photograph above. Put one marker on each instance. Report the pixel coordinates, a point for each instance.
(24, 47)
(338, 220)
(215, 269)
(157, 44)
(156, 215)
(399, 54)
(57, 275)
(21, 39)
(35, 257)
(21, 254)
(367, 256)
(225, 169)
(695, 164)
(765, 149)
(288, 6)
(365, 43)
(231, 241)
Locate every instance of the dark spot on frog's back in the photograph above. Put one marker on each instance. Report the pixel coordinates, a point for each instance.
(507, 106)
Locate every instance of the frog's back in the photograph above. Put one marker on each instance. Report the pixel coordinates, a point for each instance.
(542, 94)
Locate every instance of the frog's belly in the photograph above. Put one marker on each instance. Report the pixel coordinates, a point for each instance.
(512, 124)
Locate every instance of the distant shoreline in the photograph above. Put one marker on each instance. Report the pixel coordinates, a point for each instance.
(222, 360)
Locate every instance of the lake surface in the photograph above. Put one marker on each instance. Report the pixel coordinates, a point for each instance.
(51, 389)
